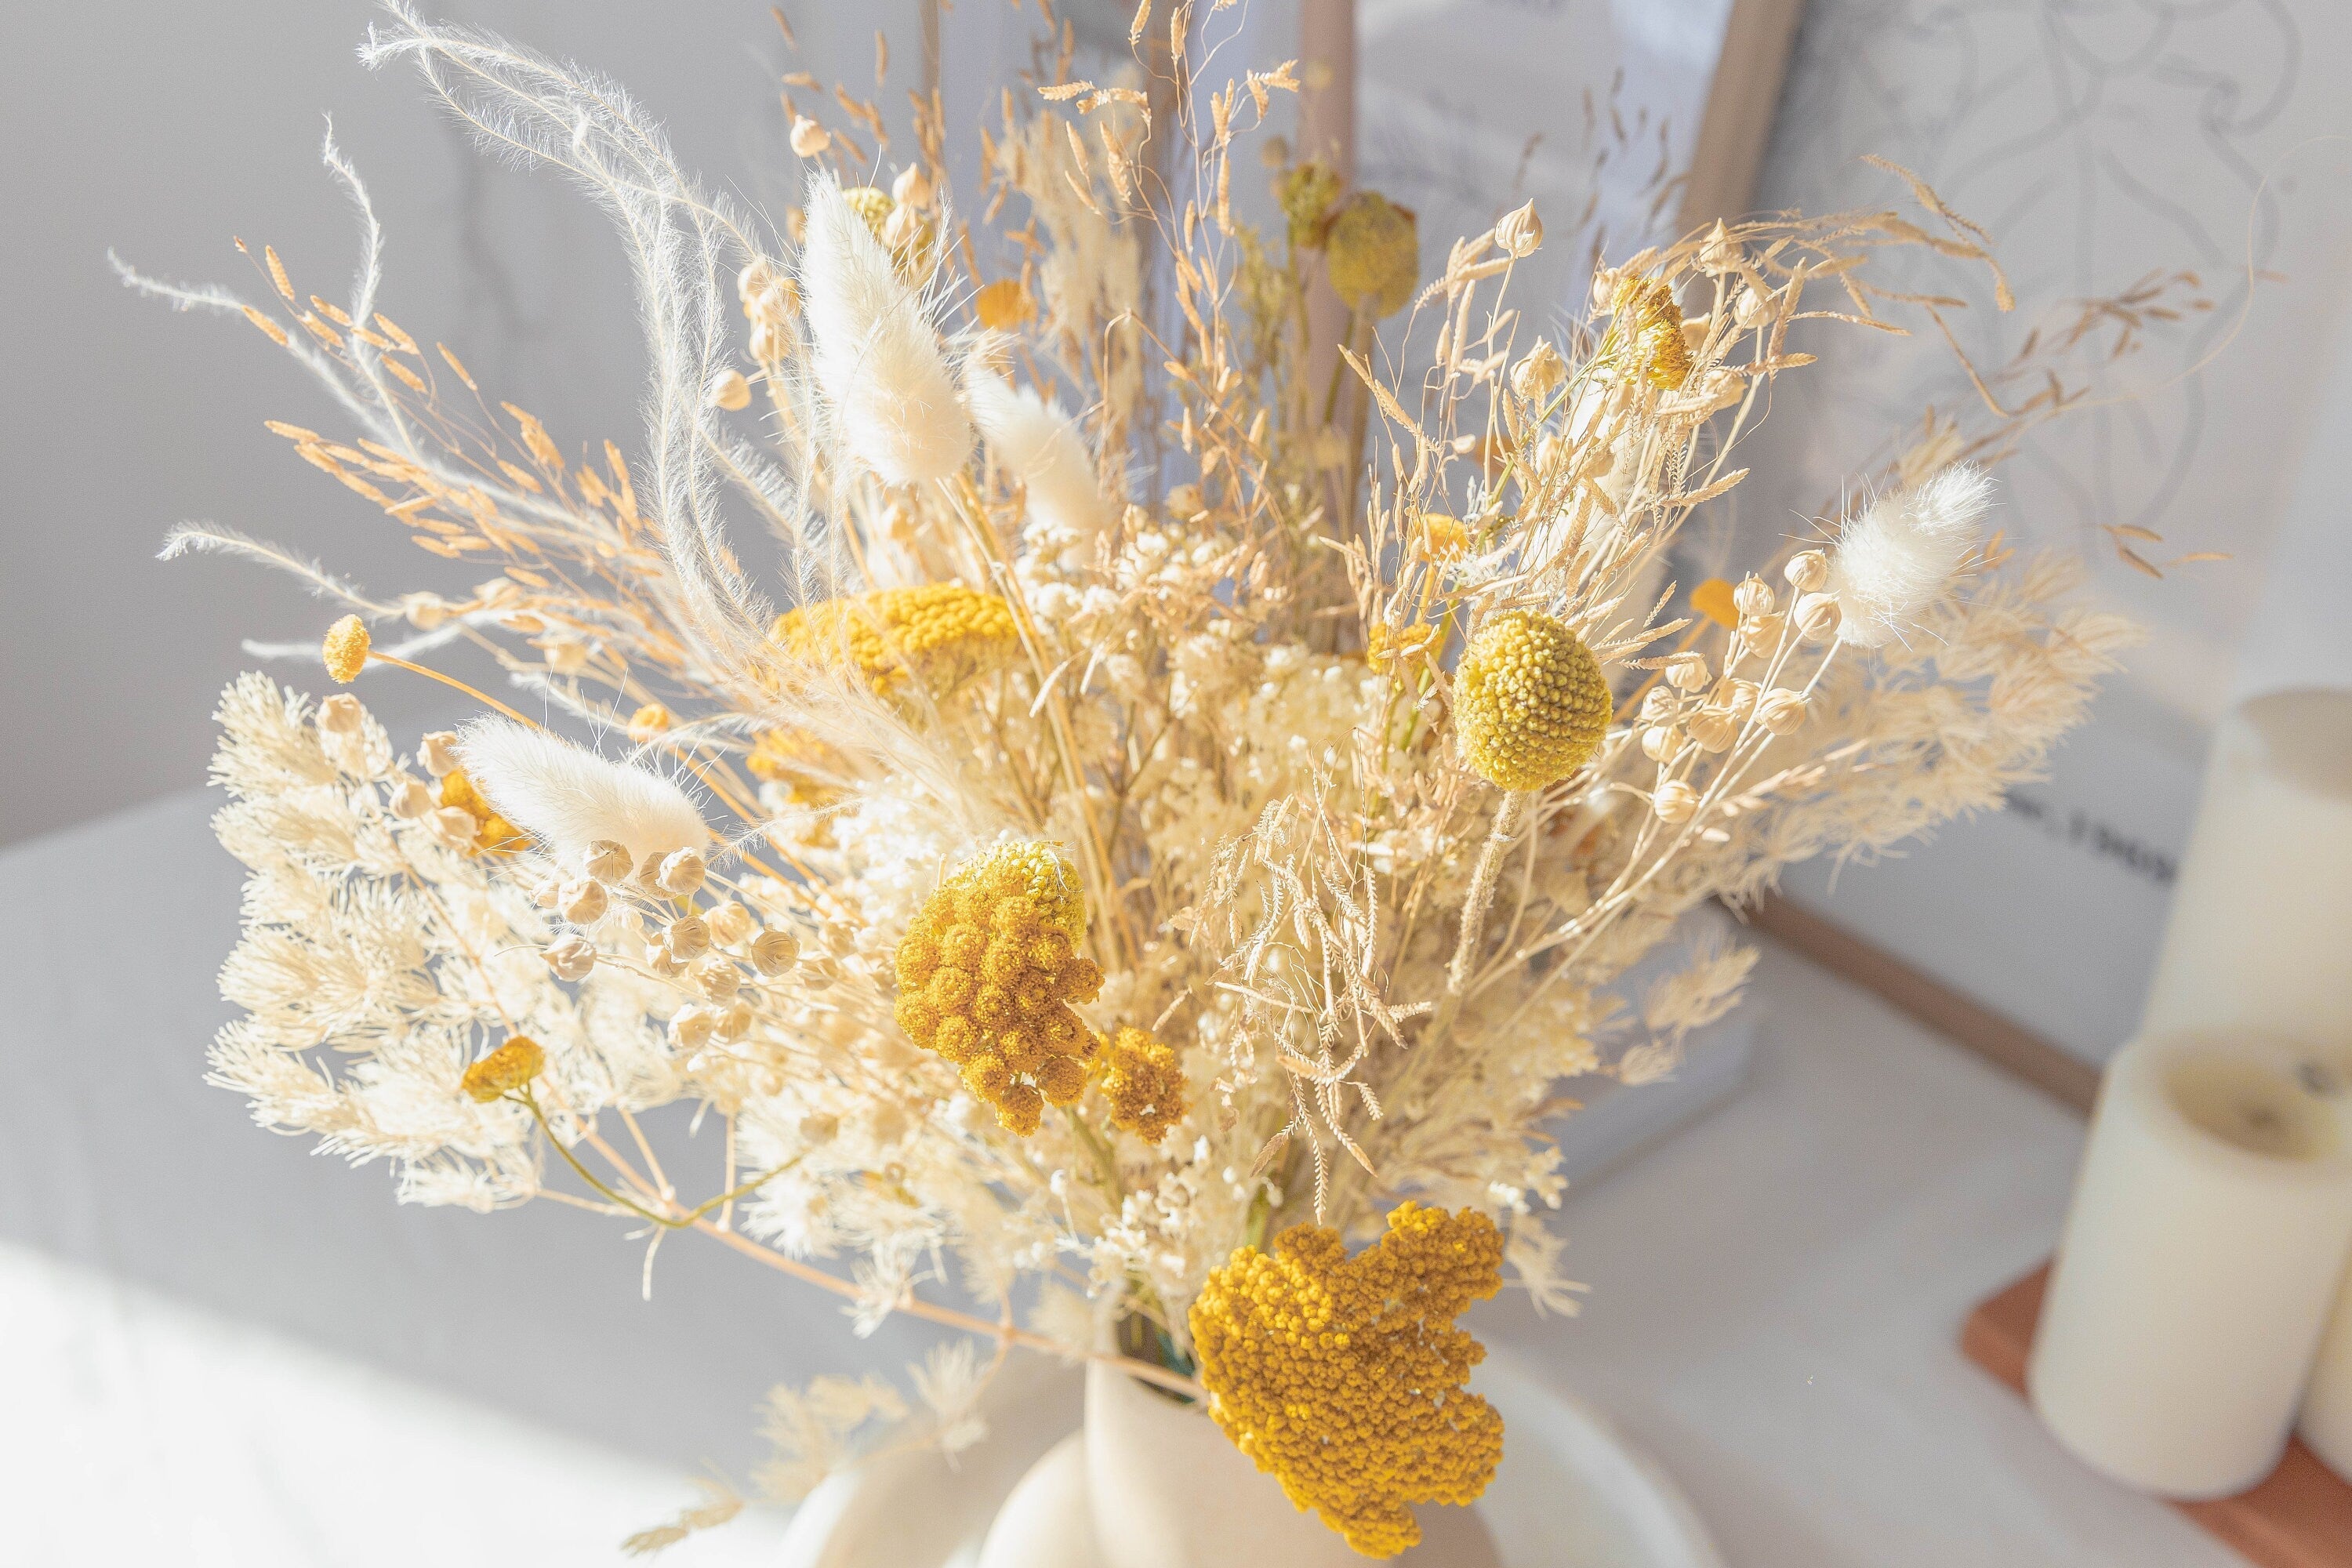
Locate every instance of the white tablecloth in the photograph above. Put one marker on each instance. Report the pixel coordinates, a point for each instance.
(213, 1342)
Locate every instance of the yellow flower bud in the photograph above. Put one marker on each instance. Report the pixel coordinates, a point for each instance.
(504, 1070)
(345, 648)
(1004, 305)
(1373, 253)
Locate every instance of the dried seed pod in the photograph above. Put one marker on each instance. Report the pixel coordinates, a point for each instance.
(775, 952)
(456, 826)
(1782, 711)
(687, 937)
(730, 924)
(716, 978)
(1753, 598)
(580, 900)
(1660, 741)
(1674, 802)
(1808, 571)
(912, 188)
(411, 800)
(1658, 704)
(571, 955)
(1520, 232)
(729, 390)
(759, 276)
(341, 714)
(438, 753)
(663, 962)
(1761, 631)
(1817, 616)
(1541, 374)
(822, 975)
(818, 1126)
(736, 1022)
(680, 874)
(809, 137)
(1686, 671)
(607, 862)
(1712, 729)
(693, 1025)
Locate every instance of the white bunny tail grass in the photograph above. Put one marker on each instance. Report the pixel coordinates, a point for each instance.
(1897, 558)
(1035, 441)
(568, 798)
(878, 361)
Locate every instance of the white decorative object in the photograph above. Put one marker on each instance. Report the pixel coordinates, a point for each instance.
(2261, 931)
(1171, 1491)
(1048, 1521)
(2326, 1424)
(2210, 1227)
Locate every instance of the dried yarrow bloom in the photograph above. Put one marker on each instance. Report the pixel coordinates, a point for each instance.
(939, 635)
(504, 1070)
(493, 833)
(1144, 1083)
(987, 973)
(345, 648)
(1652, 324)
(1344, 1377)
(1531, 702)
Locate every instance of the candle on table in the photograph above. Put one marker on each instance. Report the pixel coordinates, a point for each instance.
(2260, 936)
(2209, 1228)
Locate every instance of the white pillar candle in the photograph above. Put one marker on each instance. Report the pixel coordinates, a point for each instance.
(2260, 936)
(2210, 1229)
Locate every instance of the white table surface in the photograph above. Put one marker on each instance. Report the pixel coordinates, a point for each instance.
(214, 1344)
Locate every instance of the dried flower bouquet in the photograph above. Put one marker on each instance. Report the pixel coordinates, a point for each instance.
(1170, 818)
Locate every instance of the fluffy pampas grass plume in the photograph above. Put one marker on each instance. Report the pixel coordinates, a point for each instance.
(1898, 557)
(1035, 440)
(568, 798)
(877, 360)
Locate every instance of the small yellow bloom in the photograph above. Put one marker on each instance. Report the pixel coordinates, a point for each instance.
(1004, 305)
(1144, 1083)
(493, 833)
(1344, 1377)
(1531, 705)
(1373, 253)
(1306, 193)
(1652, 324)
(874, 205)
(648, 721)
(939, 635)
(1713, 599)
(987, 972)
(1442, 537)
(504, 1070)
(345, 649)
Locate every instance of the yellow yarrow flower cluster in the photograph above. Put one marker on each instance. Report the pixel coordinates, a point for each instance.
(511, 1066)
(1372, 253)
(493, 833)
(987, 973)
(1531, 705)
(1652, 324)
(1144, 1083)
(939, 635)
(1343, 1377)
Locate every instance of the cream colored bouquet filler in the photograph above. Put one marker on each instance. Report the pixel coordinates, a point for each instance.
(1130, 881)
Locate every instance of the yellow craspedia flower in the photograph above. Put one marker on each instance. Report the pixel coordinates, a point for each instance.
(873, 204)
(1372, 250)
(345, 649)
(939, 635)
(1530, 703)
(987, 972)
(1343, 1377)
(1306, 192)
(1144, 1083)
(1652, 324)
(504, 1070)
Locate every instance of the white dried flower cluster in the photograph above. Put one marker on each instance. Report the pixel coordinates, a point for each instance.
(1077, 880)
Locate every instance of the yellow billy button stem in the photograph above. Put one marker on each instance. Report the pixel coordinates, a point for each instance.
(1530, 707)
